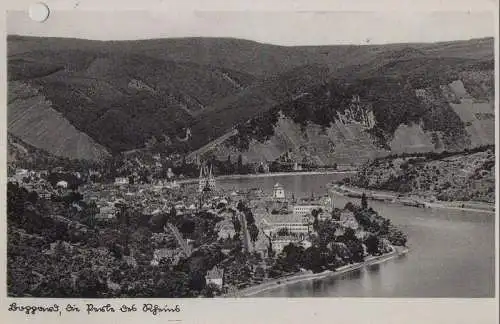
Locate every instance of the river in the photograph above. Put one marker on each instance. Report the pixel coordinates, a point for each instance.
(451, 251)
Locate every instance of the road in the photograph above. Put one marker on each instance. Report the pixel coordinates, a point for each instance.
(178, 236)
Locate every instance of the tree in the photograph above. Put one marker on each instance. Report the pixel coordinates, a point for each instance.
(372, 245)
(89, 213)
(350, 207)
(172, 215)
(88, 284)
(312, 259)
(240, 164)
(315, 214)
(32, 197)
(211, 290)
(364, 201)
(356, 249)
(293, 255)
(237, 225)
(270, 250)
(241, 206)
(249, 217)
(254, 232)
(349, 234)
(187, 226)
(73, 197)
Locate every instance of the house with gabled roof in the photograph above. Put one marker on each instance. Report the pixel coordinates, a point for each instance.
(215, 277)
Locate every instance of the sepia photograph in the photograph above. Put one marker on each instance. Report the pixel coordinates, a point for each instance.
(250, 154)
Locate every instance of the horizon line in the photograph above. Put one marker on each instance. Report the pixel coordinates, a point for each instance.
(249, 40)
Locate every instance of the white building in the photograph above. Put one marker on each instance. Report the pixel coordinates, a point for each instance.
(323, 216)
(215, 277)
(302, 210)
(62, 184)
(278, 191)
(121, 181)
(295, 227)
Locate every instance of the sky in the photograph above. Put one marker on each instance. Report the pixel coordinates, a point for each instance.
(275, 27)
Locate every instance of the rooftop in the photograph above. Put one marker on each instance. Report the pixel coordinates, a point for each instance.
(215, 273)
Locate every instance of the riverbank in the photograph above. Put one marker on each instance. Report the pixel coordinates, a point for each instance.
(395, 198)
(266, 175)
(283, 281)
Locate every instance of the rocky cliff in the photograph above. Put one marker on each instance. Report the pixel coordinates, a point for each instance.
(444, 117)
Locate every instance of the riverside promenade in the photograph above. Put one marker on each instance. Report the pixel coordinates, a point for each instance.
(309, 275)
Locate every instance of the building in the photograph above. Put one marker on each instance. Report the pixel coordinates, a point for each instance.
(324, 215)
(62, 184)
(278, 191)
(279, 244)
(303, 210)
(215, 277)
(263, 167)
(295, 227)
(225, 229)
(168, 255)
(107, 212)
(297, 167)
(348, 220)
(206, 179)
(121, 181)
(327, 203)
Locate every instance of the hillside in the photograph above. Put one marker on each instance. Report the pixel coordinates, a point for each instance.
(125, 94)
(350, 123)
(249, 57)
(32, 118)
(132, 97)
(259, 98)
(25, 156)
(465, 176)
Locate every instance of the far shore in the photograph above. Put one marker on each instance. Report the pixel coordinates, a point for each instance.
(283, 281)
(272, 174)
(392, 197)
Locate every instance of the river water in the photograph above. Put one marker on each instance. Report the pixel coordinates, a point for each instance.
(451, 251)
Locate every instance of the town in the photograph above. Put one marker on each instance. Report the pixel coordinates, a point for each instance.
(216, 241)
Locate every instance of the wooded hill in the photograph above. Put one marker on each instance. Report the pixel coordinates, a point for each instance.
(121, 94)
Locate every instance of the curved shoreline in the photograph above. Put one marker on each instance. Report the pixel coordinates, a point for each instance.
(392, 198)
(283, 281)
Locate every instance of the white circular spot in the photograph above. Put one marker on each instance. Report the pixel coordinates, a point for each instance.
(39, 12)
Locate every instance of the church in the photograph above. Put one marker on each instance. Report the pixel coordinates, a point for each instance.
(206, 179)
(278, 192)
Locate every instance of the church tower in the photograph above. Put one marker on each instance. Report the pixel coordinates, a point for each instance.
(206, 179)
